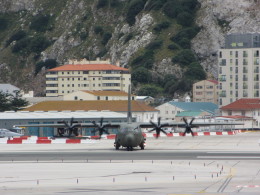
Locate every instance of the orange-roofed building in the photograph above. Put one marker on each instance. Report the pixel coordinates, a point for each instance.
(140, 111)
(86, 75)
(247, 109)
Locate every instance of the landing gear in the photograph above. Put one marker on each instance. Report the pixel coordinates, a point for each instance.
(129, 148)
(142, 146)
(117, 145)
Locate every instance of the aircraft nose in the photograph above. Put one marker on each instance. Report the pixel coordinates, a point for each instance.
(129, 139)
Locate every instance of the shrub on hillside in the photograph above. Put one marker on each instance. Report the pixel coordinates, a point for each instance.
(185, 19)
(172, 9)
(154, 45)
(150, 90)
(141, 75)
(16, 37)
(174, 46)
(31, 45)
(3, 23)
(106, 37)
(49, 63)
(184, 57)
(161, 26)
(102, 3)
(41, 23)
(135, 7)
(195, 72)
(98, 30)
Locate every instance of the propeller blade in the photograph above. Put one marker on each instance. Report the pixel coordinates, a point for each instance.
(185, 120)
(191, 121)
(159, 121)
(101, 121)
(66, 124)
(155, 125)
(152, 130)
(71, 121)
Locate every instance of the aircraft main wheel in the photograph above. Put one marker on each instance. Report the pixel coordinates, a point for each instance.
(142, 146)
(117, 146)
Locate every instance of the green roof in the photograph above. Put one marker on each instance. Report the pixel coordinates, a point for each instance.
(196, 106)
(188, 114)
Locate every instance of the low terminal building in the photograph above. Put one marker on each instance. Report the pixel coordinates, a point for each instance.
(10, 119)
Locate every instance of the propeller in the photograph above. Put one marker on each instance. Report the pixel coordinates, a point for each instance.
(100, 127)
(158, 127)
(188, 126)
(72, 127)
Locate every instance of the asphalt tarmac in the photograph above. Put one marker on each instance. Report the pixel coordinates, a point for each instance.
(178, 165)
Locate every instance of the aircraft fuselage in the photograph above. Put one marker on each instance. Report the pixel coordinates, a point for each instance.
(129, 136)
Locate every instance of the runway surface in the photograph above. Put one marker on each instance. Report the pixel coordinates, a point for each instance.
(179, 165)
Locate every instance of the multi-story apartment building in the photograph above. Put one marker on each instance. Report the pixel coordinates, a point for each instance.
(239, 68)
(86, 75)
(205, 91)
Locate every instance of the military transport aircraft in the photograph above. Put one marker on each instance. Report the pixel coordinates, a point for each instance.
(129, 134)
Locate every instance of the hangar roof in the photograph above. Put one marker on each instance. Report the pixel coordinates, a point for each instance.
(112, 105)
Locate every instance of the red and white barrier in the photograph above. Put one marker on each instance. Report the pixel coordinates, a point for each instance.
(48, 140)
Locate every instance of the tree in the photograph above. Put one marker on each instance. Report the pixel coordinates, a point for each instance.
(184, 57)
(11, 102)
(150, 90)
(141, 75)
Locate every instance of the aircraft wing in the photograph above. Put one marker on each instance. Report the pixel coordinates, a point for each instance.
(57, 125)
(195, 124)
(203, 124)
(42, 125)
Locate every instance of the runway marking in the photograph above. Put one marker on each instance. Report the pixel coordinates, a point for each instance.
(226, 152)
(230, 157)
(248, 186)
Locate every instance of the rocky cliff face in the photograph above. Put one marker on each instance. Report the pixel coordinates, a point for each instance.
(74, 35)
(218, 18)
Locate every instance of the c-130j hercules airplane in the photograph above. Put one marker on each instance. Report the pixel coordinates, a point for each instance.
(129, 134)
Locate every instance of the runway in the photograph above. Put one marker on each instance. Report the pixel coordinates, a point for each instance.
(182, 165)
(82, 156)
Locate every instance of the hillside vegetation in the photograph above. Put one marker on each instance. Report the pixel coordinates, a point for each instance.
(153, 39)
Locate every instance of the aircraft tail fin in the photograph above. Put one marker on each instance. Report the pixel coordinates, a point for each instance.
(129, 109)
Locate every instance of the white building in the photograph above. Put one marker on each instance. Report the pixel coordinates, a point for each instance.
(239, 68)
(86, 75)
(246, 110)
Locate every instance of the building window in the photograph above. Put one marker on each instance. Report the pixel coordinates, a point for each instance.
(76, 98)
(68, 79)
(236, 54)
(98, 97)
(106, 97)
(199, 87)
(78, 79)
(85, 72)
(245, 54)
(220, 54)
(85, 79)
